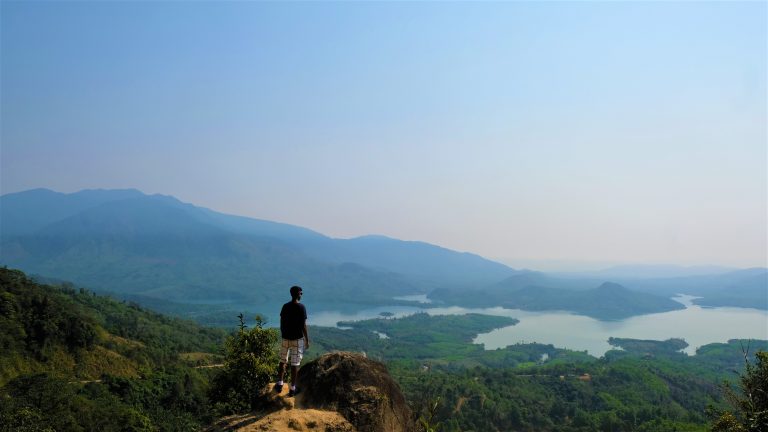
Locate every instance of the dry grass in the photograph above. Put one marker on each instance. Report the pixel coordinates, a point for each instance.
(93, 363)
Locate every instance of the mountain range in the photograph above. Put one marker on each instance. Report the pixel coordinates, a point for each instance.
(158, 248)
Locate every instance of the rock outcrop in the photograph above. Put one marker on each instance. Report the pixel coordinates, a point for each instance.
(358, 388)
(340, 392)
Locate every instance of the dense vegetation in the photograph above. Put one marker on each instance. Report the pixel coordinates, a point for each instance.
(75, 361)
(250, 363)
(749, 403)
(72, 360)
(442, 339)
(645, 386)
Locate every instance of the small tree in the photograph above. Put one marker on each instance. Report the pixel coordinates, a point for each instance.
(750, 403)
(428, 419)
(249, 364)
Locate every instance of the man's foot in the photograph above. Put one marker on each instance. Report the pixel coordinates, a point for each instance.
(294, 392)
(278, 388)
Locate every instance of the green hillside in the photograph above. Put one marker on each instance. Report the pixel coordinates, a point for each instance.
(158, 247)
(74, 361)
(71, 360)
(646, 386)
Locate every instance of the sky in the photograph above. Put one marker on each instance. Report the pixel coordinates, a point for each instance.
(551, 135)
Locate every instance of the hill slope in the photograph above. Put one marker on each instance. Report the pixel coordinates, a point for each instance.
(609, 301)
(739, 288)
(160, 247)
(71, 360)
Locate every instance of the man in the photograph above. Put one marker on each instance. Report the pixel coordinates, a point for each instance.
(293, 328)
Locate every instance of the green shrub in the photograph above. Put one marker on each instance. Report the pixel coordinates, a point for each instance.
(249, 365)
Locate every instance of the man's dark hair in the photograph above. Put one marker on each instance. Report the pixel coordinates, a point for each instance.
(295, 291)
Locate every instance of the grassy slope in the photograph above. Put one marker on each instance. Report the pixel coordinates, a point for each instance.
(71, 360)
(76, 334)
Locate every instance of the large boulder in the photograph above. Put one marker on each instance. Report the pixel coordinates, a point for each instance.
(358, 388)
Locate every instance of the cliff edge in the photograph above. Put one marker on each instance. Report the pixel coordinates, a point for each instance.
(340, 392)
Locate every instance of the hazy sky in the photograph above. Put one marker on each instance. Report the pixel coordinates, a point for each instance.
(578, 131)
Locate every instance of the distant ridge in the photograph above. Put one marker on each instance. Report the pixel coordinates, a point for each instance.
(420, 260)
(646, 271)
(157, 246)
(27, 212)
(608, 301)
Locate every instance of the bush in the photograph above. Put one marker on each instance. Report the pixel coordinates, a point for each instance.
(250, 363)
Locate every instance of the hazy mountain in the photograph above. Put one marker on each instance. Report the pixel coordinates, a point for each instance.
(528, 278)
(30, 211)
(743, 288)
(608, 301)
(718, 286)
(422, 261)
(698, 285)
(645, 271)
(158, 246)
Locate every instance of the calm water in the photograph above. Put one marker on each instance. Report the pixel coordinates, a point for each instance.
(698, 326)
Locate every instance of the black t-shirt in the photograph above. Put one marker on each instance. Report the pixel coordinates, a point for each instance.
(292, 318)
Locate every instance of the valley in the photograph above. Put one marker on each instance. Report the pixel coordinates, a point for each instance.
(645, 385)
(147, 289)
(175, 256)
(496, 216)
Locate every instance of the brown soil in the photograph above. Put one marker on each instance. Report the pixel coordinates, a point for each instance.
(284, 414)
(459, 404)
(285, 421)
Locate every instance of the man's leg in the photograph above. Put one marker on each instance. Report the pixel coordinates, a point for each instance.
(281, 374)
(281, 369)
(295, 357)
(293, 390)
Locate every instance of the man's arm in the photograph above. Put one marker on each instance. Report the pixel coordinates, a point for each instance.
(306, 336)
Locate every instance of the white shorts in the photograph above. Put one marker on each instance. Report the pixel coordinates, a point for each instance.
(293, 349)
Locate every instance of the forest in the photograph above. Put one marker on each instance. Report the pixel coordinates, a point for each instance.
(75, 361)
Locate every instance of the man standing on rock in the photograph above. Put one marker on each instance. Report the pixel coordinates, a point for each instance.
(293, 327)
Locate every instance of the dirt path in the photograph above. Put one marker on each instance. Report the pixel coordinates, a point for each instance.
(209, 366)
(459, 404)
(84, 382)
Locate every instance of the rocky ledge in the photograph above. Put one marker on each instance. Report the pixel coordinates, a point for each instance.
(340, 392)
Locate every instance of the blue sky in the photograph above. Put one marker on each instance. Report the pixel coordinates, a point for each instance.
(533, 132)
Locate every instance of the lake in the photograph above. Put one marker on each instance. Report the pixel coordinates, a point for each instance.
(697, 325)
